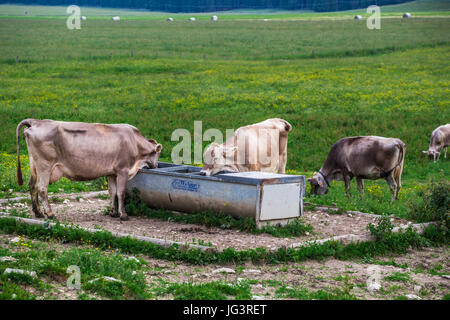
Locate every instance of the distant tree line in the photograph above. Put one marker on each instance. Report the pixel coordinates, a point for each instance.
(217, 5)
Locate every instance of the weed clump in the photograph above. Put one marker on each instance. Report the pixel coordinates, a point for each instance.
(383, 230)
(434, 204)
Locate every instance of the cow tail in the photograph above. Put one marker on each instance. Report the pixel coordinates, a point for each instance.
(399, 167)
(402, 156)
(26, 123)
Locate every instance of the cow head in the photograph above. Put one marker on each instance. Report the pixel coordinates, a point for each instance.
(218, 158)
(318, 184)
(432, 155)
(151, 154)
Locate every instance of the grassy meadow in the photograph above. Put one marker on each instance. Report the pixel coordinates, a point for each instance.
(330, 78)
(418, 8)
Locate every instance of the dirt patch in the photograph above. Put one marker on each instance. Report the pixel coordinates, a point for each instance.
(329, 275)
(90, 213)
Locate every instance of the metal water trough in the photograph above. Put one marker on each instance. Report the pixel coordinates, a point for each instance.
(269, 198)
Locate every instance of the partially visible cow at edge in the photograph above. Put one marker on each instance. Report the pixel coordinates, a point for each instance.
(362, 157)
(81, 152)
(257, 147)
(440, 139)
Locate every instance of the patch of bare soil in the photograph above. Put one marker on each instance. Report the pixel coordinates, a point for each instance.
(90, 213)
(331, 275)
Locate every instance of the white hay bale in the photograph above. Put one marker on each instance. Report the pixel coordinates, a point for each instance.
(214, 18)
(116, 18)
(192, 19)
(407, 15)
(358, 17)
(265, 20)
(83, 17)
(169, 19)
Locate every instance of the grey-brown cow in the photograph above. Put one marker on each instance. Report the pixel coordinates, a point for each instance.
(362, 157)
(440, 139)
(81, 152)
(258, 147)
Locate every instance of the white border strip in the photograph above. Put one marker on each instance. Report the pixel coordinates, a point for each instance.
(160, 242)
(352, 238)
(70, 196)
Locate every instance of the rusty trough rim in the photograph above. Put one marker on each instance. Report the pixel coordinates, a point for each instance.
(161, 242)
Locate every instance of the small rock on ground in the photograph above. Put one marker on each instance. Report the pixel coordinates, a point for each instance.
(413, 297)
(10, 270)
(106, 278)
(254, 271)
(8, 259)
(226, 270)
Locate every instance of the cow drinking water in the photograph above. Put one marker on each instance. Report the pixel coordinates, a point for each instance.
(80, 152)
(363, 158)
(257, 147)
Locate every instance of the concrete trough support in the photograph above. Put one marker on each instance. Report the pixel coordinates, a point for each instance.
(269, 198)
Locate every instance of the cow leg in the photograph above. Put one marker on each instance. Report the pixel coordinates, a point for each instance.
(122, 179)
(32, 183)
(282, 154)
(112, 188)
(445, 153)
(360, 184)
(393, 186)
(398, 179)
(42, 186)
(347, 180)
(34, 197)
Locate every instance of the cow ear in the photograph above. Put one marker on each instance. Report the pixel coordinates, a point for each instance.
(426, 152)
(309, 180)
(158, 147)
(152, 141)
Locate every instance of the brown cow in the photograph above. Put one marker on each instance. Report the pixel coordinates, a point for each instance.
(363, 158)
(440, 139)
(257, 147)
(83, 151)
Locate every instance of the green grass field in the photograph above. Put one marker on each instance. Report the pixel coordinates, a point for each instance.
(417, 8)
(330, 78)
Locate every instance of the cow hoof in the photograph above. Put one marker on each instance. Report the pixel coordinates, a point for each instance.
(124, 218)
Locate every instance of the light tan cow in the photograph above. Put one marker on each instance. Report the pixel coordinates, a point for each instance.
(440, 139)
(83, 151)
(257, 147)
